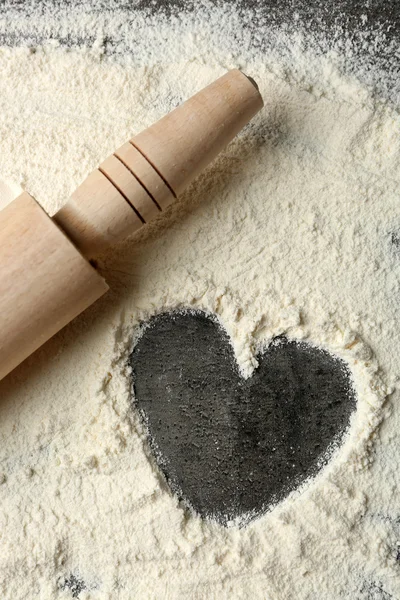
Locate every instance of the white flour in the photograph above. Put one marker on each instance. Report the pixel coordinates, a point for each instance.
(289, 231)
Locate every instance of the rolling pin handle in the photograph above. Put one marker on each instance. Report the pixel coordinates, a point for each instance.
(145, 175)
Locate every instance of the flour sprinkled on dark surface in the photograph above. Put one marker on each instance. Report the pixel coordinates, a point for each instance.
(228, 446)
(74, 584)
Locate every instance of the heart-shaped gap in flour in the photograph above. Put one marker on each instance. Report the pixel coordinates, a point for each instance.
(231, 447)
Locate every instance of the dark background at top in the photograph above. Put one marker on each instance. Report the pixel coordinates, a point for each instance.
(317, 15)
(370, 28)
(322, 14)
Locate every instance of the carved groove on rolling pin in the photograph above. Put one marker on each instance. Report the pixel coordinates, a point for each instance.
(154, 167)
(122, 193)
(146, 174)
(121, 160)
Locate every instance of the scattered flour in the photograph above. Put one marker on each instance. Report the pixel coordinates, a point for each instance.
(290, 231)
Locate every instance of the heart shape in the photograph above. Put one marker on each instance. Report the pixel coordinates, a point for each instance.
(228, 446)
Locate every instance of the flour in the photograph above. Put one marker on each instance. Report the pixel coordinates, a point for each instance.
(290, 231)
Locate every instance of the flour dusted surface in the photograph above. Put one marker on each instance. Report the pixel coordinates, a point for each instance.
(290, 231)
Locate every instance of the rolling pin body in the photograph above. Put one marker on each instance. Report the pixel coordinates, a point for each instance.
(46, 279)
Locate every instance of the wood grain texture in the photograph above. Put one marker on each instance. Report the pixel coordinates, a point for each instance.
(97, 215)
(44, 281)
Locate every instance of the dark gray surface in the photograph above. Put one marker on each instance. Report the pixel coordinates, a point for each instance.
(230, 447)
(366, 33)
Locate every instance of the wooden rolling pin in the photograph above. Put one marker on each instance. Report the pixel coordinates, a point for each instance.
(45, 277)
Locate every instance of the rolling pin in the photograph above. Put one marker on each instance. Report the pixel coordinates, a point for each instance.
(46, 279)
